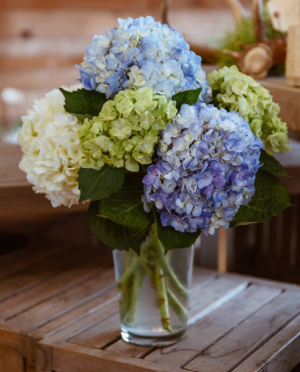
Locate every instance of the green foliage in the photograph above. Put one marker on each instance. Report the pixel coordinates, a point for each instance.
(125, 207)
(172, 239)
(110, 233)
(189, 97)
(272, 165)
(99, 184)
(271, 197)
(83, 103)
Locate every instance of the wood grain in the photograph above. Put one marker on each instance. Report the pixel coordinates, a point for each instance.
(62, 293)
(11, 363)
(214, 326)
(222, 250)
(128, 349)
(15, 261)
(233, 348)
(212, 296)
(30, 277)
(100, 334)
(280, 354)
(293, 56)
(75, 315)
(75, 358)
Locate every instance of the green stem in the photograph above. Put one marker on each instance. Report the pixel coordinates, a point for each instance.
(180, 288)
(136, 285)
(176, 305)
(125, 300)
(127, 273)
(160, 282)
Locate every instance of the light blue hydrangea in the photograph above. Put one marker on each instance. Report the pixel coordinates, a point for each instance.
(208, 159)
(141, 53)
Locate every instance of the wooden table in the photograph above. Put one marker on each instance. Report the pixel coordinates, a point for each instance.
(59, 312)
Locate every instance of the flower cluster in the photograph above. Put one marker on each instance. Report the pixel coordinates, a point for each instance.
(206, 170)
(51, 149)
(235, 91)
(141, 53)
(126, 130)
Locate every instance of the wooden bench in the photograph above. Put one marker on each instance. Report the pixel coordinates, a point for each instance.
(59, 312)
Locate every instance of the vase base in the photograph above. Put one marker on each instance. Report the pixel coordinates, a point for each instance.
(157, 341)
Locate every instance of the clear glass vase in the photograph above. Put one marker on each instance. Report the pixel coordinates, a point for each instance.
(153, 292)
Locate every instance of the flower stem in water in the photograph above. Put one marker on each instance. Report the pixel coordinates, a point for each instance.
(160, 282)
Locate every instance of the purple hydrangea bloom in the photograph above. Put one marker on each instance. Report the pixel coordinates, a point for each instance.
(208, 159)
(141, 53)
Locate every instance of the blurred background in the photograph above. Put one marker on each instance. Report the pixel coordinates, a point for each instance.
(40, 43)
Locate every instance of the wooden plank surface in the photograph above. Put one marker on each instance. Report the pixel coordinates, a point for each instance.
(45, 270)
(214, 326)
(74, 275)
(281, 353)
(218, 292)
(62, 315)
(75, 358)
(17, 260)
(242, 341)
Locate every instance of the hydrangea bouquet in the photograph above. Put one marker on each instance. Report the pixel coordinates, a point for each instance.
(161, 154)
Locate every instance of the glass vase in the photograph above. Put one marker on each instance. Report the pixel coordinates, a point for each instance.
(153, 291)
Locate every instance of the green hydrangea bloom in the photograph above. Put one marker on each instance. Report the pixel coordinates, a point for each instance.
(126, 130)
(236, 91)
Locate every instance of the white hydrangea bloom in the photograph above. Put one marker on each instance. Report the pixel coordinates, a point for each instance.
(51, 149)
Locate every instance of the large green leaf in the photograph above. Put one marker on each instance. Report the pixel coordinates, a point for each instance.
(110, 233)
(271, 197)
(171, 238)
(99, 184)
(272, 165)
(125, 207)
(83, 103)
(188, 96)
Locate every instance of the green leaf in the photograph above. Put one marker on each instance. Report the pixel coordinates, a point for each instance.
(99, 184)
(125, 207)
(188, 96)
(110, 233)
(171, 238)
(272, 165)
(83, 102)
(271, 197)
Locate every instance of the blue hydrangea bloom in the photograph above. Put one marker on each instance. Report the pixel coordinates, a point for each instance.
(208, 159)
(141, 53)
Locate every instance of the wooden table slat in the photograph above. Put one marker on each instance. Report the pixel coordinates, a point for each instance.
(79, 312)
(18, 260)
(75, 358)
(214, 326)
(215, 294)
(29, 277)
(68, 298)
(60, 313)
(280, 353)
(74, 274)
(250, 335)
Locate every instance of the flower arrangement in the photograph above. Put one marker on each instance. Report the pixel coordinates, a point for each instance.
(158, 159)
